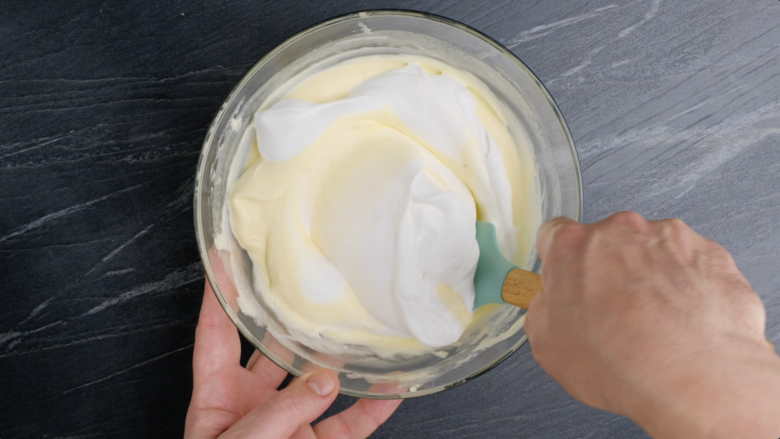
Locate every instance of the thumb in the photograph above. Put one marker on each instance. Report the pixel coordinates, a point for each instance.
(545, 236)
(300, 403)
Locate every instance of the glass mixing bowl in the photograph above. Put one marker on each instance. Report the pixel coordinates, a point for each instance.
(537, 123)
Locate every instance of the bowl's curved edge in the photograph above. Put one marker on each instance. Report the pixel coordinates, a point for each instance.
(221, 113)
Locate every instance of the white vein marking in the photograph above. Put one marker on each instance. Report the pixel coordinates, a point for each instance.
(118, 272)
(176, 279)
(177, 203)
(52, 140)
(620, 63)
(61, 213)
(135, 366)
(713, 146)
(588, 60)
(11, 335)
(115, 251)
(545, 29)
(37, 310)
(654, 8)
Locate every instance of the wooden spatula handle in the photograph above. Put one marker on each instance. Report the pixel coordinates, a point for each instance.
(520, 286)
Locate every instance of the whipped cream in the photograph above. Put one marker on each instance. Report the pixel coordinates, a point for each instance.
(358, 209)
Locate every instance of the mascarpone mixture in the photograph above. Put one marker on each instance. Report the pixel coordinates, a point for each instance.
(358, 202)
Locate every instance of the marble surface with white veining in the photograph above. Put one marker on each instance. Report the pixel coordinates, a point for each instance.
(674, 106)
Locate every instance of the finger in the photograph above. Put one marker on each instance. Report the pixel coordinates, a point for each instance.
(221, 277)
(277, 349)
(304, 432)
(546, 234)
(358, 421)
(299, 404)
(271, 374)
(217, 345)
(256, 355)
(261, 365)
(533, 318)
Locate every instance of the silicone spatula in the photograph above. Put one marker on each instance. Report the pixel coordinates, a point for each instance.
(498, 280)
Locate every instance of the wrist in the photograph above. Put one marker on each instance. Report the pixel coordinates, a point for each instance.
(732, 390)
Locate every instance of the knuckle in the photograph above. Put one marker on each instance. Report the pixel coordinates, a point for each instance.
(560, 239)
(674, 235)
(550, 226)
(748, 298)
(628, 218)
(717, 261)
(722, 259)
(748, 309)
(288, 403)
(676, 224)
(371, 418)
(568, 234)
(342, 428)
(674, 227)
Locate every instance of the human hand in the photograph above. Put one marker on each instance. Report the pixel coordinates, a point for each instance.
(229, 401)
(650, 320)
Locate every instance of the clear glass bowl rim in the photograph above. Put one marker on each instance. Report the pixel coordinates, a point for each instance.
(215, 123)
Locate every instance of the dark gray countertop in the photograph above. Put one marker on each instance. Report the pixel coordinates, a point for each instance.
(674, 107)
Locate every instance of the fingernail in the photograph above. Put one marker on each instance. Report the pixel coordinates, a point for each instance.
(320, 382)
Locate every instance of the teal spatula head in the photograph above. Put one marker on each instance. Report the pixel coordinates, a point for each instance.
(492, 267)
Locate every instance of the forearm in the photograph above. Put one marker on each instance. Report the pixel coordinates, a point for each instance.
(726, 395)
